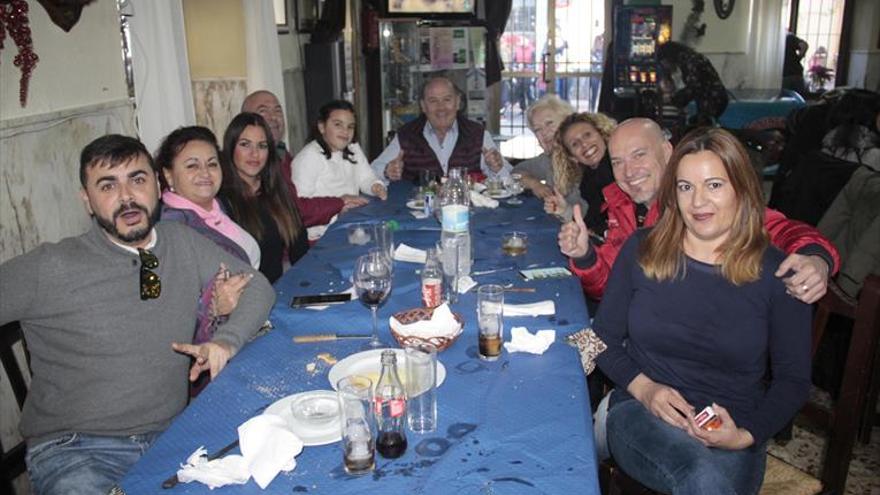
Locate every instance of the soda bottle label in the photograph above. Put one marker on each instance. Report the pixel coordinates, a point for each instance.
(432, 292)
(396, 407)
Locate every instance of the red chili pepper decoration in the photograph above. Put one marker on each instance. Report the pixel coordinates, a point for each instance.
(14, 20)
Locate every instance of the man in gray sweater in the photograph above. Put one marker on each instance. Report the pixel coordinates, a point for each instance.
(108, 318)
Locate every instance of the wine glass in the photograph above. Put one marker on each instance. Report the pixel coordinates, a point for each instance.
(515, 187)
(372, 281)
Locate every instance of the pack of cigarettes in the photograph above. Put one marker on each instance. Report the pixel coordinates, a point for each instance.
(707, 419)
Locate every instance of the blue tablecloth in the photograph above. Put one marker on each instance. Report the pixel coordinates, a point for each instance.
(517, 425)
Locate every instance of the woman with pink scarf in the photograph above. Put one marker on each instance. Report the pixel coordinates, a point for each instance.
(189, 166)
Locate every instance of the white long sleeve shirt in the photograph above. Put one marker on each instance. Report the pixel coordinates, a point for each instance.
(316, 175)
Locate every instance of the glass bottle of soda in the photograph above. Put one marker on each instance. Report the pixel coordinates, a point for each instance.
(432, 281)
(390, 407)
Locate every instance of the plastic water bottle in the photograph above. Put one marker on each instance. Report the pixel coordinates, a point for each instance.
(455, 237)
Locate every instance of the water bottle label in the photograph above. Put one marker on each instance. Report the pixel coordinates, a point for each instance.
(455, 218)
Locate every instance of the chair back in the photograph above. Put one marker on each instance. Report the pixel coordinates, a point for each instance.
(16, 371)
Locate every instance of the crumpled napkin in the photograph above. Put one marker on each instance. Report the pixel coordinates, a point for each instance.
(523, 341)
(481, 201)
(441, 324)
(539, 308)
(409, 254)
(267, 447)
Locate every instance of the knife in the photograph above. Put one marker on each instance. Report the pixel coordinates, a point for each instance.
(325, 337)
(173, 480)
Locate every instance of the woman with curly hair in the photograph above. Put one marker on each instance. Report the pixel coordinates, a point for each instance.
(581, 168)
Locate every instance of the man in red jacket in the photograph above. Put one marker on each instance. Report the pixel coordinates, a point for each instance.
(314, 211)
(639, 154)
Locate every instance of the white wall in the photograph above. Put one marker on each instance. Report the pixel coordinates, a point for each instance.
(864, 64)
(77, 93)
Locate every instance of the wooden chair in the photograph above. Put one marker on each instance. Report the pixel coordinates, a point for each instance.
(841, 423)
(12, 463)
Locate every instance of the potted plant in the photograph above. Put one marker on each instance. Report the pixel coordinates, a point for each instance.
(819, 76)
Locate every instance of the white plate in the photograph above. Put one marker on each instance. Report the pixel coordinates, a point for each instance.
(504, 193)
(368, 363)
(310, 435)
(416, 204)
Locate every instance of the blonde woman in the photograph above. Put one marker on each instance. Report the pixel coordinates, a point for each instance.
(581, 168)
(544, 117)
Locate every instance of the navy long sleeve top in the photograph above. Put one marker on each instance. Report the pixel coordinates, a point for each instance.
(709, 339)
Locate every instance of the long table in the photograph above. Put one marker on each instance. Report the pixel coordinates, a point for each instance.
(520, 424)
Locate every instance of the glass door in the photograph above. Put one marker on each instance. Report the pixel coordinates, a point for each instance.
(563, 57)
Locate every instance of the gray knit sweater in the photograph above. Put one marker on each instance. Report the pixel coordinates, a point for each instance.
(101, 357)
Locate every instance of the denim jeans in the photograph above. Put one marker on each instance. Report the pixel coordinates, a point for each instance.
(666, 459)
(83, 464)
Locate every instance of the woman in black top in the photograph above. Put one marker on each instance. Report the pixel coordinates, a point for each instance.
(582, 168)
(254, 192)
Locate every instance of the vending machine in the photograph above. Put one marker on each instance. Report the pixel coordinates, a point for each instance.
(637, 33)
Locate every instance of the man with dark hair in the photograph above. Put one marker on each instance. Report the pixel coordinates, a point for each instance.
(108, 317)
(440, 138)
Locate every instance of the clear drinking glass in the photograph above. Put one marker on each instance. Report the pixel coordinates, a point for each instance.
(358, 427)
(490, 318)
(515, 187)
(385, 241)
(372, 281)
(421, 387)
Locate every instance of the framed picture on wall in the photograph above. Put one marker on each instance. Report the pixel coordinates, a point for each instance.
(281, 20)
(307, 14)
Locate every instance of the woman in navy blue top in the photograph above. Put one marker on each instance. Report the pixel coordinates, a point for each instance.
(693, 317)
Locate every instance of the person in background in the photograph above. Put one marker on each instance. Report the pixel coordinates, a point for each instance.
(700, 81)
(332, 164)
(188, 165)
(543, 118)
(108, 316)
(315, 210)
(439, 139)
(581, 168)
(693, 317)
(255, 196)
(792, 68)
(639, 155)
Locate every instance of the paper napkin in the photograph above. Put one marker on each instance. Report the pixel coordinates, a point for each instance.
(442, 323)
(409, 254)
(267, 448)
(523, 341)
(481, 201)
(539, 308)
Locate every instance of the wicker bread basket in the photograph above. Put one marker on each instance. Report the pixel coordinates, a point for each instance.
(419, 314)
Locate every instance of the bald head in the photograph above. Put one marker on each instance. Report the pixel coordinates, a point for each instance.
(639, 153)
(265, 104)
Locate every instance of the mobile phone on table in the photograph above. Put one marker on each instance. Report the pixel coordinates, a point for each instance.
(319, 299)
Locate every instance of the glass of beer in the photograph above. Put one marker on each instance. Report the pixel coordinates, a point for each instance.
(356, 414)
(490, 317)
(515, 243)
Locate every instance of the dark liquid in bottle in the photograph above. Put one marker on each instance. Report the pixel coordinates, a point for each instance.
(371, 297)
(490, 347)
(391, 445)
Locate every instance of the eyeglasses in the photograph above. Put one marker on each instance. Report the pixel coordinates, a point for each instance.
(151, 286)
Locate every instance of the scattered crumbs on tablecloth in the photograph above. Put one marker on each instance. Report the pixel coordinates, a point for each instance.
(327, 358)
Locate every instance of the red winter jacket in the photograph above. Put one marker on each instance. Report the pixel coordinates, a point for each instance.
(314, 211)
(787, 235)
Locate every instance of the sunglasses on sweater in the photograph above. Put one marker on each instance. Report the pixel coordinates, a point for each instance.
(151, 286)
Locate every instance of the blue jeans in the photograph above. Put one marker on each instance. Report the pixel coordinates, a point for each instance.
(76, 463)
(666, 459)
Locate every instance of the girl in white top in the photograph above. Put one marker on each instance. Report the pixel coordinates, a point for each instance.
(332, 164)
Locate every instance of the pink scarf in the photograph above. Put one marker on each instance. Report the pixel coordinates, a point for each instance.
(214, 219)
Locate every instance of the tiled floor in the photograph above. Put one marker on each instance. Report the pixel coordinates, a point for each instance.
(804, 451)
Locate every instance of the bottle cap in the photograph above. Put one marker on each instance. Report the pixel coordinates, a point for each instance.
(393, 225)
